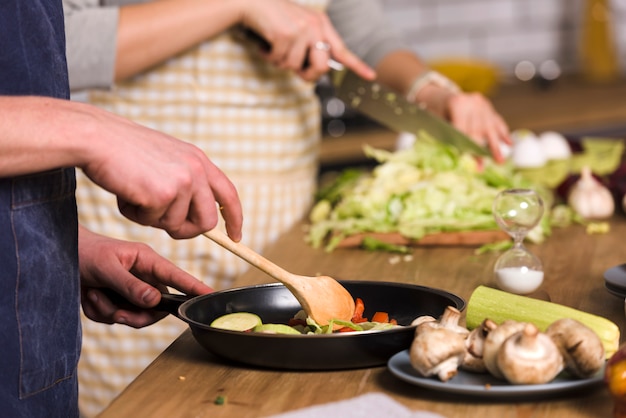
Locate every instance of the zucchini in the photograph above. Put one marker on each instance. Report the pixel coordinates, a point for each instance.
(237, 321)
(497, 305)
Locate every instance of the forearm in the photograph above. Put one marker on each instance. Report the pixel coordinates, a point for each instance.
(38, 134)
(400, 69)
(150, 33)
(108, 44)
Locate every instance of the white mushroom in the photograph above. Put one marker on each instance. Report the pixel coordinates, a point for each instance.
(494, 340)
(580, 346)
(439, 345)
(449, 319)
(529, 357)
(437, 352)
(474, 343)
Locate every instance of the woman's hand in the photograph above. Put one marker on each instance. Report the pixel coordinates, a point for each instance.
(299, 34)
(473, 114)
(135, 272)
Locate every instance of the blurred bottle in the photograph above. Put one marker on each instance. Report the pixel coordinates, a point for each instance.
(599, 62)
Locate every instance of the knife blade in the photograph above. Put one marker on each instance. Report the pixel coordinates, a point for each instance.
(394, 111)
(384, 105)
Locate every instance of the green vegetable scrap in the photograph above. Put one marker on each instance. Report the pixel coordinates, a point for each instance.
(220, 400)
(598, 228)
(429, 188)
(373, 244)
(601, 155)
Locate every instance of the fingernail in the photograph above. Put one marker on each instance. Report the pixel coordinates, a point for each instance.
(149, 296)
(122, 320)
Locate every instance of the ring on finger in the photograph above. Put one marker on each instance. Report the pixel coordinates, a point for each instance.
(322, 46)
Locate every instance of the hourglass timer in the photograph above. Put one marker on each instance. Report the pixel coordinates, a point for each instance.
(517, 211)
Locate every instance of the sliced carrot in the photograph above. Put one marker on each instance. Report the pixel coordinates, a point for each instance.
(380, 317)
(345, 329)
(393, 321)
(359, 308)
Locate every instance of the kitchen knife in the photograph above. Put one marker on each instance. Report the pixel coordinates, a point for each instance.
(384, 105)
(394, 111)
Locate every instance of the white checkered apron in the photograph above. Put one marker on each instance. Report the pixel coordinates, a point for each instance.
(258, 124)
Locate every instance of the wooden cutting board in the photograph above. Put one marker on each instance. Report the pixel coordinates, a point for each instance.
(466, 238)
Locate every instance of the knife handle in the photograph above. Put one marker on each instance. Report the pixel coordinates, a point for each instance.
(265, 46)
(251, 35)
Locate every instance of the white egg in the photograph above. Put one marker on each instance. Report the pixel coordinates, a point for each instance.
(555, 146)
(528, 153)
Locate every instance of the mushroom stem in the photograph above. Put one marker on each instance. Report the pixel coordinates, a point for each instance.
(450, 317)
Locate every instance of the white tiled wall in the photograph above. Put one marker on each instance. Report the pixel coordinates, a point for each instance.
(503, 32)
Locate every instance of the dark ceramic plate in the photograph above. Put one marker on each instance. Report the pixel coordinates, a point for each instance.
(485, 385)
(615, 280)
(275, 304)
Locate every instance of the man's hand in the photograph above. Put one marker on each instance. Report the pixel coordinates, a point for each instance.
(132, 270)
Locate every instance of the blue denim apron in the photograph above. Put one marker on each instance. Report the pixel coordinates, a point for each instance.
(39, 279)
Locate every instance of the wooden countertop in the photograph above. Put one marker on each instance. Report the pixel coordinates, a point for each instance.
(185, 380)
(569, 105)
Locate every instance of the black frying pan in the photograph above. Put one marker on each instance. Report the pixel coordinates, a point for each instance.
(275, 304)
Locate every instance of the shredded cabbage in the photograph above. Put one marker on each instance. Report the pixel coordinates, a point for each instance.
(428, 188)
(315, 328)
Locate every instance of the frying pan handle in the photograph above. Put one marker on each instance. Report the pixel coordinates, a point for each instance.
(170, 302)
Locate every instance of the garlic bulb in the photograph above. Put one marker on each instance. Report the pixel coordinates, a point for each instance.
(589, 198)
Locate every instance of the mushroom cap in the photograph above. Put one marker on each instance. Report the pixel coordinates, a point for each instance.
(529, 357)
(494, 340)
(434, 346)
(581, 348)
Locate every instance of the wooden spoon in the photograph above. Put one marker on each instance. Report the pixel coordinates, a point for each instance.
(321, 297)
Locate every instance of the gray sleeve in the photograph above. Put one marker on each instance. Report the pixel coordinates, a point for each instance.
(365, 29)
(91, 33)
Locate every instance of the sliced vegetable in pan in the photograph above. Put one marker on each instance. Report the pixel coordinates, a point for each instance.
(301, 324)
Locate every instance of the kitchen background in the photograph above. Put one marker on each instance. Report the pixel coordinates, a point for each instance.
(526, 55)
(502, 32)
